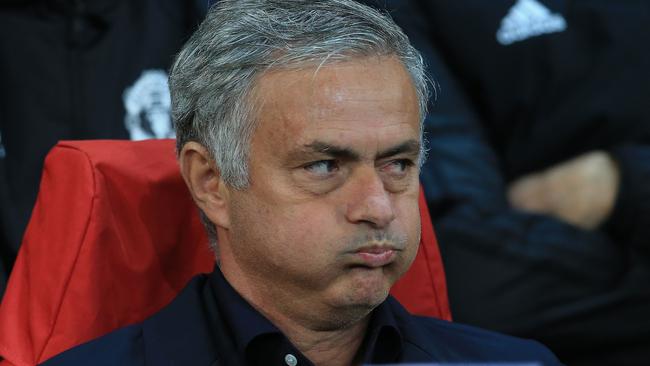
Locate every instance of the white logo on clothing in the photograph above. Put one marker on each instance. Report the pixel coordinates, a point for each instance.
(148, 104)
(526, 19)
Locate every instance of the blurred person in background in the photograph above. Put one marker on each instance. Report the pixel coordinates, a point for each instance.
(538, 176)
(75, 69)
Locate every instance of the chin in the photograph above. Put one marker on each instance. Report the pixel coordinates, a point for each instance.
(350, 312)
(369, 287)
(354, 299)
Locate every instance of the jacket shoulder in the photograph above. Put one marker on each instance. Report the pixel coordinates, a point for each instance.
(458, 342)
(429, 339)
(122, 347)
(133, 345)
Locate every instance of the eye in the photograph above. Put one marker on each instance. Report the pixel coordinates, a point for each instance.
(322, 168)
(398, 167)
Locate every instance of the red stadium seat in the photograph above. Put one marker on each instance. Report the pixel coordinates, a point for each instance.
(114, 236)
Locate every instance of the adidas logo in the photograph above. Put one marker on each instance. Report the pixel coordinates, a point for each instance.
(526, 19)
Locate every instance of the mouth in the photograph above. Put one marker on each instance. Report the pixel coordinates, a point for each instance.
(375, 256)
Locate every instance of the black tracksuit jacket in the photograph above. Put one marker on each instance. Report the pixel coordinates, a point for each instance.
(540, 96)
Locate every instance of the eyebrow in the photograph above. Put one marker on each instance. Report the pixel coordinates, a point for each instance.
(411, 147)
(334, 151)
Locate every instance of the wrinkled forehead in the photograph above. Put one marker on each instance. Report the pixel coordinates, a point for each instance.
(364, 106)
(326, 90)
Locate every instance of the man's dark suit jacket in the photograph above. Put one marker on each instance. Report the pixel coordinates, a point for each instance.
(191, 331)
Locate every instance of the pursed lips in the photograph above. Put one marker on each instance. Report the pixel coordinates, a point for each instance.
(375, 256)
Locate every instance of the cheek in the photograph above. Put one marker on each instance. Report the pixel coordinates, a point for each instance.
(407, 209)
(308, 232)
(283, 234)
(409, 219)
(253, 230)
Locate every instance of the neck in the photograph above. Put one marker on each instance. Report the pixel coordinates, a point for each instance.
(324, 336)
(328, 348)
(326, 341)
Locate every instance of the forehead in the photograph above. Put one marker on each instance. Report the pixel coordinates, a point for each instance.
(370, 93)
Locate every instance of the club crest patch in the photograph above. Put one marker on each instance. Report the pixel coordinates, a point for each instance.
(148, 107)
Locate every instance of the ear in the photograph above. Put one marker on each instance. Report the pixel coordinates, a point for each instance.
(203, 179)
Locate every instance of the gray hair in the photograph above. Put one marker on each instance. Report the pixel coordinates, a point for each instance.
(213, 76)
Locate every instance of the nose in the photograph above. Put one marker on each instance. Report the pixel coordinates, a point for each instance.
(369, 202)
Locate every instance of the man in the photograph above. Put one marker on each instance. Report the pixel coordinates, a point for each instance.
(299, 129)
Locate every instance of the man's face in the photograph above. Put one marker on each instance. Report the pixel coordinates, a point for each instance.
(330, 220)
